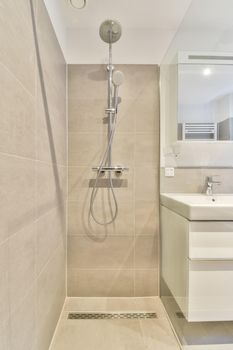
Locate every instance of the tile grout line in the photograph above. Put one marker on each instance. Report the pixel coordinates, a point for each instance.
(17, 156)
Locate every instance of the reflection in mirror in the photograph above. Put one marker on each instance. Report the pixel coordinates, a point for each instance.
(205, 102)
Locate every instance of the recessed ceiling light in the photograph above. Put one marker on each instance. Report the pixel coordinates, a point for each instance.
(78, 4)
(207, 72)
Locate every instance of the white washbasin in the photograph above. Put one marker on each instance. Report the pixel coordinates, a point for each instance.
(200, 206)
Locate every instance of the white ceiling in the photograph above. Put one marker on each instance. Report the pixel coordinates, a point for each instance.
(165, 14)
(148, 27)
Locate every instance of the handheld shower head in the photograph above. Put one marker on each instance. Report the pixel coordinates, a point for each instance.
(118, 78)
(110, 31)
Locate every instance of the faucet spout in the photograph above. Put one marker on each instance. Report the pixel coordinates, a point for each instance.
(210, 184)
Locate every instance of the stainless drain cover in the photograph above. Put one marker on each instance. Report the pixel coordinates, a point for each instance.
(110, 316)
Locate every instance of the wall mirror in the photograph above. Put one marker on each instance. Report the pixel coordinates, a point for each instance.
(205, 100)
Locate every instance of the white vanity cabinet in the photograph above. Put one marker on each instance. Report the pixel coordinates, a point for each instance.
(197, 265)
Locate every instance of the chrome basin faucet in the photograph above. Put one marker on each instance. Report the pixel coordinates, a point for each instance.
(210, 183)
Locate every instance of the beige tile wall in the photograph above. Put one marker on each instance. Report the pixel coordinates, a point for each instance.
(193, 180)
(32, 178)
(120, 259)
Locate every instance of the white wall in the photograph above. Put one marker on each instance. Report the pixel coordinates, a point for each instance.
(136, 46)
(55, 14)
(195, 114)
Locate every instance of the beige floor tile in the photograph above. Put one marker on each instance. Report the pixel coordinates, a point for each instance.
(158, 335)
(153, 334)
(101, 334)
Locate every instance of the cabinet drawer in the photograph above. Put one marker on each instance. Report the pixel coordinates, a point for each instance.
(211, 240)
(210, 296)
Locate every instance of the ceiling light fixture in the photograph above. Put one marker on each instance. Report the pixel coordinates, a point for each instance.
(78, 4)
(207, 72)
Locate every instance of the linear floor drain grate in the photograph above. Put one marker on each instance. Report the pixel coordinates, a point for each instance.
(110, 316)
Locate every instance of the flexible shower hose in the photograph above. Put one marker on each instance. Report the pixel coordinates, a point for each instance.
(95, 187)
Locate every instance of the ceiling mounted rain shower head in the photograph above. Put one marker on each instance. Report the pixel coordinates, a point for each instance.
(110, 31)
(78, 4)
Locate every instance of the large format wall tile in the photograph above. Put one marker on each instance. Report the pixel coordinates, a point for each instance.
(23, 334)
(21, 265)
(50, 187)
(86, 115)
(33, 178)
(4, 287)
(146, 252)
(17, 51)
(50, 233)
(50, 296)
(87, 82)
(146, 217)
(80, 222)
(113, 252)
(17, 188)
(82, 179)
(51, 94)
(103, 283)
(193, 180)
(146, 282)
(85, 148)
(102, 257)
(17, 123)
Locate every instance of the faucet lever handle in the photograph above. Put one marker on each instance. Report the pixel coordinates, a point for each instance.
(211, 179)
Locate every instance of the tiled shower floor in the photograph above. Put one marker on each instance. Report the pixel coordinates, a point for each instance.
(117, 334)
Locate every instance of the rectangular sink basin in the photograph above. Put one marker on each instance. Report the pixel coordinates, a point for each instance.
(200, 206)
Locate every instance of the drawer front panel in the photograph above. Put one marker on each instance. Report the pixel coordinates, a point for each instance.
(211, 241)
(210, 291)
